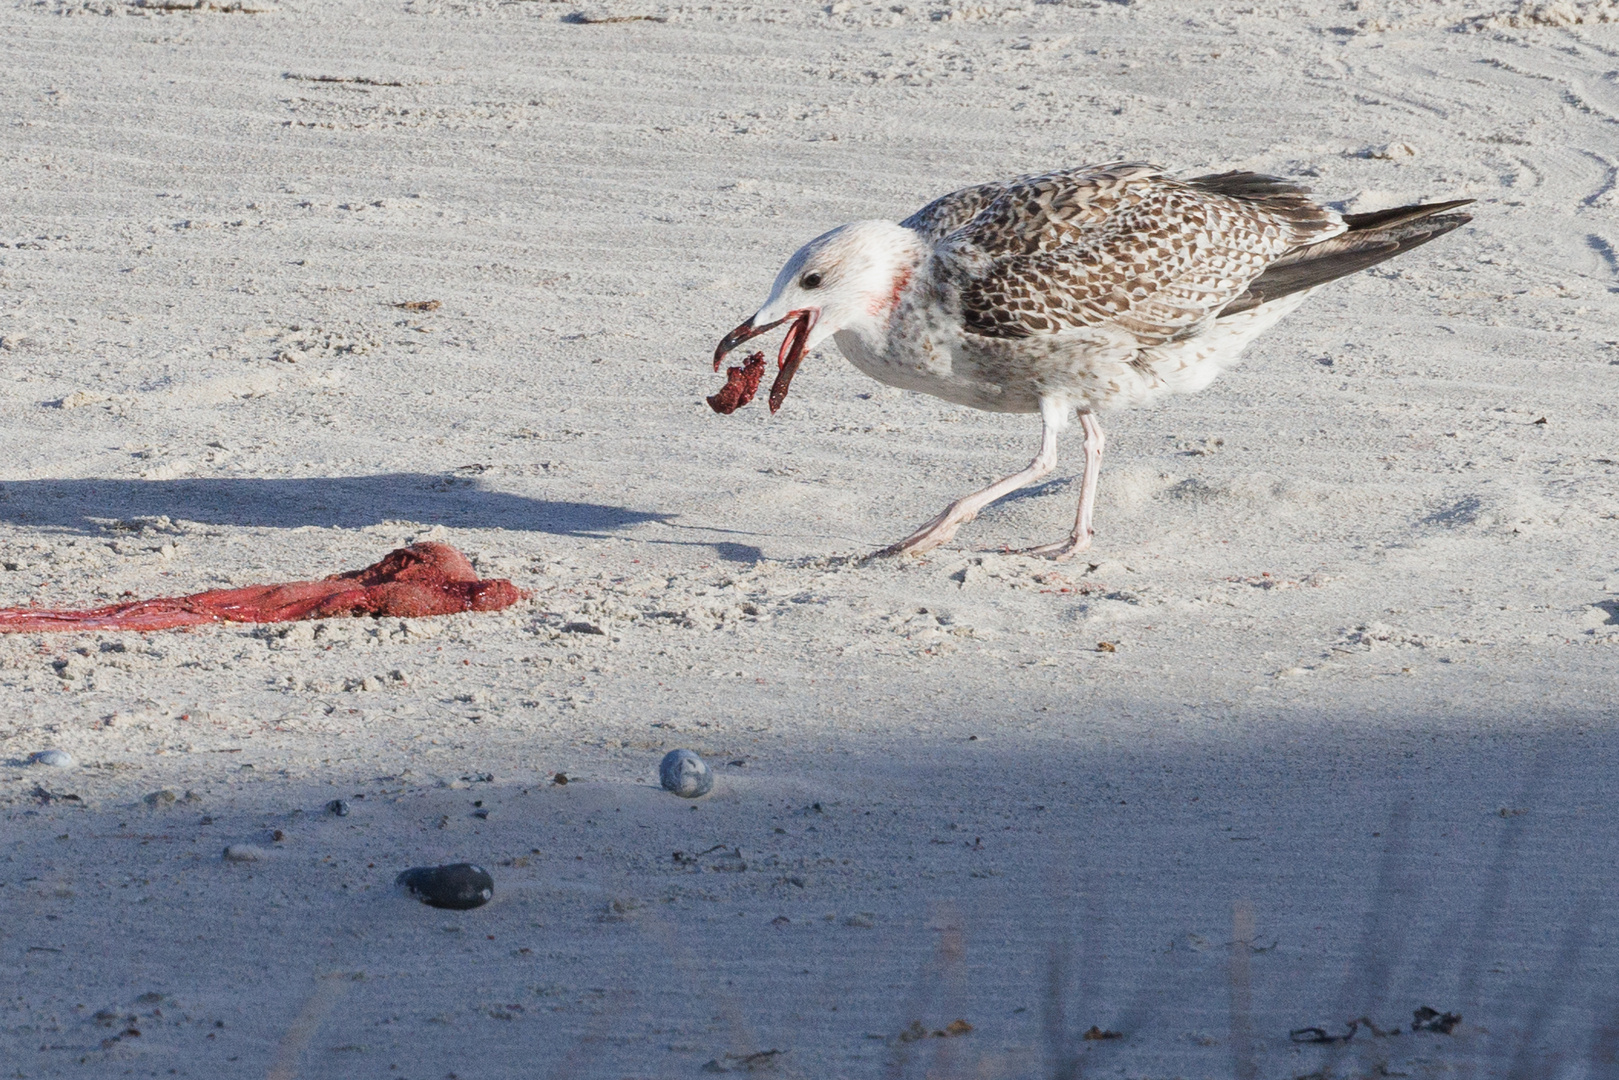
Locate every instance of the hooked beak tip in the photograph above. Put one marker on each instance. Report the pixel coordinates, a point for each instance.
(732, 340)
(748, 329)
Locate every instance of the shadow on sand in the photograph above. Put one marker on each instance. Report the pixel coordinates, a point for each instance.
(329, 502)
(1253, 908)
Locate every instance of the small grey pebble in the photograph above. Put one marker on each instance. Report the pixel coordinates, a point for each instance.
(460, 886)
(482, 813)
(244, 853)
(685, 774)
(162, 798)
(56, 759)
(338, 808)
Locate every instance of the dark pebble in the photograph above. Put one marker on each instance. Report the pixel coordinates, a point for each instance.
(338, 808)
(461, 886)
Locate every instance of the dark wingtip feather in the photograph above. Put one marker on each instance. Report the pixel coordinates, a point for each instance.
(1400, 215)
(1246, 185)
(1275, 195)
(1365, 245)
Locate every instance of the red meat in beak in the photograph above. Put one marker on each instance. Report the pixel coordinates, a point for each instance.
(742, 383)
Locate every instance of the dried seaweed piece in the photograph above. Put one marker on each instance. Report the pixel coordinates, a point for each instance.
(357, 80)
(760, 1061)
(1376, 1031)
(950, 1031)
(1426, 1019)
(233, 7)
(1319, 1035)
(597, 18)
(412, 305)
(741, 383)
(1096, 1034)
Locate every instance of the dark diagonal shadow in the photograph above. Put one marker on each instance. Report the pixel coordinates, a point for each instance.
(1045, 489)
(343, 501)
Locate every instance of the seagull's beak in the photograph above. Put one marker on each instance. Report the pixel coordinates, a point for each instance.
(793, 347)
(743, 333)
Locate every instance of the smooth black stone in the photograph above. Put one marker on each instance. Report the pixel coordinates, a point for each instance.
(338, 807)
(461, 886)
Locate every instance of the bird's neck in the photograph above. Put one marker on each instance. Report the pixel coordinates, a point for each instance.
(902, 252)
(884, 304)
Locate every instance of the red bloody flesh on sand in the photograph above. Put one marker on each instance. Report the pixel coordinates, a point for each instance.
(423, 579)
(787, 361)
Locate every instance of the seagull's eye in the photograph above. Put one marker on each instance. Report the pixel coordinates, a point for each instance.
(810, 281)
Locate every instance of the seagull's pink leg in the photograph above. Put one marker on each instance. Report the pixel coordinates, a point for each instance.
(942, 528)
(1080, 539)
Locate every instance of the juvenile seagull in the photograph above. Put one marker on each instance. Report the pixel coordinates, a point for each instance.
(1096, 288)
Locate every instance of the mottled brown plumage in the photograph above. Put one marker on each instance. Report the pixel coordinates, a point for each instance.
(1119, 244)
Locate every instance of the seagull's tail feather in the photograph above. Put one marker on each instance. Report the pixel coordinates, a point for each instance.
(1370, 239)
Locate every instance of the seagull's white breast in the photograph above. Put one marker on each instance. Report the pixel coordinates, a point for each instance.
(923, 350)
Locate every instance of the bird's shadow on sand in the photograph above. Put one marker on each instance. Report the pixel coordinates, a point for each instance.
(1058, 486)
(349, 502)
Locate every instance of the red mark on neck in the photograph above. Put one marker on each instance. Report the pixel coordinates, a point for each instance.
(887, 304)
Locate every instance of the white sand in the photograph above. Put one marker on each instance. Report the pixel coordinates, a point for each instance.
(1355, 588)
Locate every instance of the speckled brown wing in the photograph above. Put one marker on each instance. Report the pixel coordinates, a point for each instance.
(1121, 246)
(946, 214)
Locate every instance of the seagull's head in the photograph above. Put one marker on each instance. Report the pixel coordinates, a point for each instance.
(848, 279)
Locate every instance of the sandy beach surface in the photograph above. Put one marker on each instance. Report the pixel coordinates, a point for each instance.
(1322, 729)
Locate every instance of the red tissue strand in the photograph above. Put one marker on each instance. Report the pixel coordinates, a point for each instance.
(420, 580)
(741, 383)
(792, 354)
